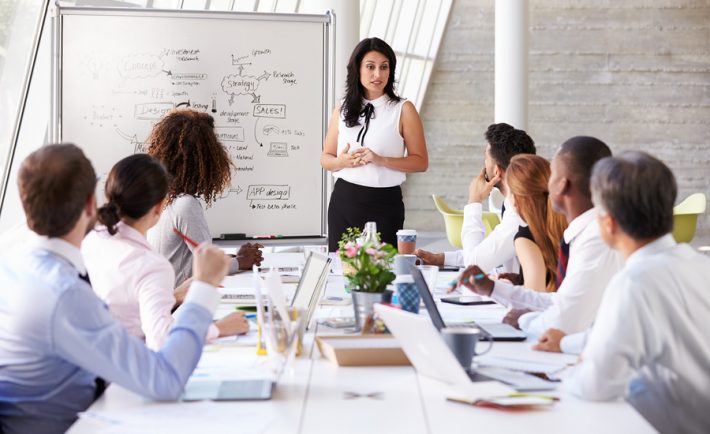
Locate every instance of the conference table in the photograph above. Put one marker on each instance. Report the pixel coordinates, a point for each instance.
(314, 395)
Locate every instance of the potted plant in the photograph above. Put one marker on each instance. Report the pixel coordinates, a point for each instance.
(367, 267)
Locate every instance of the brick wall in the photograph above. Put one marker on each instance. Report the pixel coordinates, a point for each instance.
(635, 74)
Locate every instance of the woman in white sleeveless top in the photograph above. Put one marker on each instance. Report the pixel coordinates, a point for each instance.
(374, 139)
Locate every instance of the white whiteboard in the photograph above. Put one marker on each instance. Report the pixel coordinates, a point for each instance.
(262, 77)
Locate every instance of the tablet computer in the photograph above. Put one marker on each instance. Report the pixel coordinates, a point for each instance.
(467, 300)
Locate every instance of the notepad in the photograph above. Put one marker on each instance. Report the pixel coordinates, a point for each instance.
(363, 343)
(522, 365)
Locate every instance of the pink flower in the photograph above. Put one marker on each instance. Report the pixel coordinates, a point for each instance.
(371, 251)
(351, 251)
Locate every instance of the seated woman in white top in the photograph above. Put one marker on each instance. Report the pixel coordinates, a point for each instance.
(127, 274)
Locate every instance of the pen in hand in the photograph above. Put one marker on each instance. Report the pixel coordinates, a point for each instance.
(454, 283)
(189, 241)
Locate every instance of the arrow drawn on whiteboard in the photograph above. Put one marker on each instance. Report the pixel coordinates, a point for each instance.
(168, 72)
(184, 103)
(138, 146)
(256, 136)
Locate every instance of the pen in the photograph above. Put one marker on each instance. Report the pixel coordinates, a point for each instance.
(187, 239)
(533, 395)
(478, 276)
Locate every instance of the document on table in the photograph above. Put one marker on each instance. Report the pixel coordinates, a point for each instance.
(193, 417)
(520, 364)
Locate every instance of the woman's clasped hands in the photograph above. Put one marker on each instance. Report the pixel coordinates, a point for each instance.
(357, 158)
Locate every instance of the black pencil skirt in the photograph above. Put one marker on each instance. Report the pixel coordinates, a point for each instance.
(353, 205)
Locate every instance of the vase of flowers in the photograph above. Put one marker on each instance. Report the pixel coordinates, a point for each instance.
(367, 264)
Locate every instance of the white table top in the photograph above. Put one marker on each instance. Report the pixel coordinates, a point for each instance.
(311, 398)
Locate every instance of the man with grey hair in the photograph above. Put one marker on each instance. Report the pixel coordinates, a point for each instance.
(649, 341)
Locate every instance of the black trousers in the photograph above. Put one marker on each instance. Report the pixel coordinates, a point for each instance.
(353, 205)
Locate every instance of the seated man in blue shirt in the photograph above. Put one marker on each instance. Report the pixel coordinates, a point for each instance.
(649, 342)
(57, 339)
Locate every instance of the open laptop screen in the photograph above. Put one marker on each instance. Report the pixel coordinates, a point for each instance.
(313, 278)
(429, 302)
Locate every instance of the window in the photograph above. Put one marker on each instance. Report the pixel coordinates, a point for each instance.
(413, 32)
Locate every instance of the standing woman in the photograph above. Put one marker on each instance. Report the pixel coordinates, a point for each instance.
(536, 244)
(200, 169)
(374, 139)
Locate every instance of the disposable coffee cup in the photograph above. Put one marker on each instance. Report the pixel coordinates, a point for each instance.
(406, 241)
(431, 274)
(462, 341)
(403, 264)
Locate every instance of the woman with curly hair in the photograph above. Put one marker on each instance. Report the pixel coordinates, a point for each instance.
(185, 142)
(536, 244)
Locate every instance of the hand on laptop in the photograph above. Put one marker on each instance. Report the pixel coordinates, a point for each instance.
(513, 315)
(430, 258)
(476, 280)
(550, 341)
(233, 324)
(249, 255)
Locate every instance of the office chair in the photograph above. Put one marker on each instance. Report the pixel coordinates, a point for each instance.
(685, 217)
(453, 220)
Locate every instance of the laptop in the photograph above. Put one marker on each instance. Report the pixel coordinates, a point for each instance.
(251, 389)
(496, 331)
(431, 357)
(311, 282)
(310, 286)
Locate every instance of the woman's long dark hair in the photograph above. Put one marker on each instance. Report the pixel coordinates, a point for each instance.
(354, 93)
(134, 186)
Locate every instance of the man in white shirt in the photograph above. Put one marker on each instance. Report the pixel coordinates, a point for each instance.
(650, 339)
(498, 249)
(591, 264)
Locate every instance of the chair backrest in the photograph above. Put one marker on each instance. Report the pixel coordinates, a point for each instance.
(444, 207)
(453, 220)
(696, 203)
(685, 217)
(490, 221)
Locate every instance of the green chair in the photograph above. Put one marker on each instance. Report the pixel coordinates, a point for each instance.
(453, 220)
(490, 221)
(685, 217)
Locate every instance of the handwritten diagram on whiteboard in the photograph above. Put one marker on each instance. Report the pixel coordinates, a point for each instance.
(262, 81)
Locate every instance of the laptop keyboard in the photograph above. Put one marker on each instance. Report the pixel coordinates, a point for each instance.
(475, 376)
(237, 296)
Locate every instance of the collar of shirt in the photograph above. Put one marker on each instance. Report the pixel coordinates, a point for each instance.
(64, 249)
(377, 102)
(663, 243)
(127, 233)
(578, 225)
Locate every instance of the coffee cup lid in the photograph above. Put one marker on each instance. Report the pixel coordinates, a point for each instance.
(406, 232)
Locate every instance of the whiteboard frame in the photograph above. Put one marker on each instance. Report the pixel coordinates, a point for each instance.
(327, 19)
